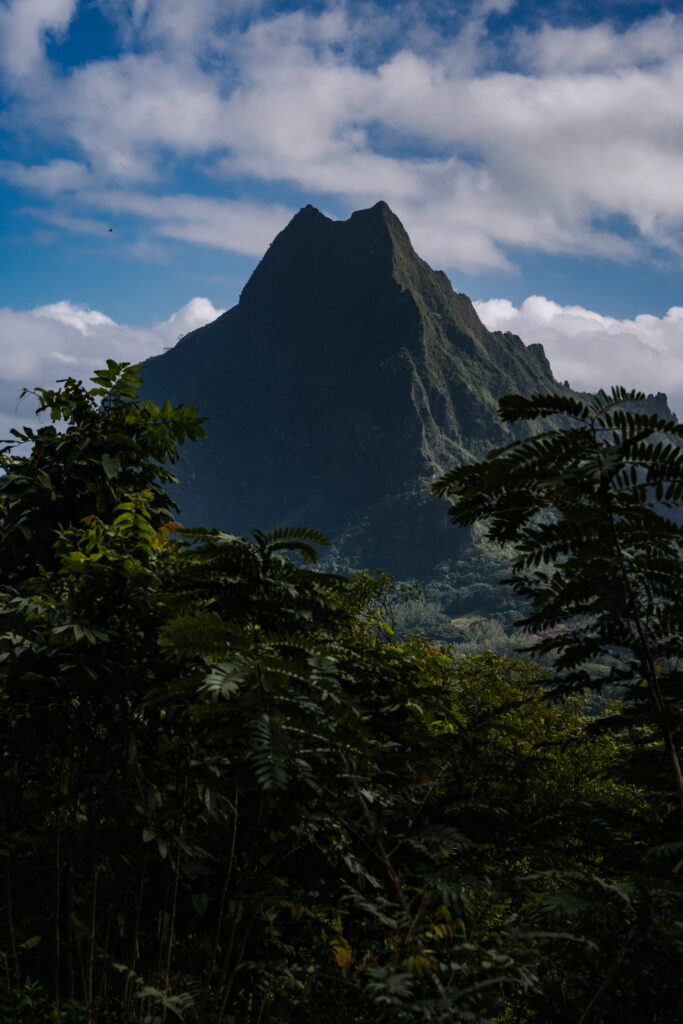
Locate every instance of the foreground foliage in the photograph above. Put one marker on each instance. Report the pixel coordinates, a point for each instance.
(593, 511)
(229, 792)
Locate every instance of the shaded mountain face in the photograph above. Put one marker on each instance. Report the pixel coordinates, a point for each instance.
(347, 378)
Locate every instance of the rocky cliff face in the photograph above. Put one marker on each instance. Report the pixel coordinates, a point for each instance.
(347, 377)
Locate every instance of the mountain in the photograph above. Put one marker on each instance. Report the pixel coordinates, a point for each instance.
(348, 376)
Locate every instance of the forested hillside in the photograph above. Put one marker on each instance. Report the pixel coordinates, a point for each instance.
(231, 793)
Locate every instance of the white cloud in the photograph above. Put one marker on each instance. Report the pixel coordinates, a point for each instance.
(128, 114)
(600, 47)
(586, 127)
(241, 226)
(55, 176)
(85, 321)
(23, 27)
(63, 339)
(593, 351)
(177, 25)
(61, 219)
(193, 314)
(174, 23)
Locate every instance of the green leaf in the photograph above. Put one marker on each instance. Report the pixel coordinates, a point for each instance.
(111, 466)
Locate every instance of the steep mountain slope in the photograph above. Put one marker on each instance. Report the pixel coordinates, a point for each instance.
(347, 377)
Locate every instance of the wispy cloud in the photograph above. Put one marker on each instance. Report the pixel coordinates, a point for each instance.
(58, 218)
(241, 226)
(52, 177)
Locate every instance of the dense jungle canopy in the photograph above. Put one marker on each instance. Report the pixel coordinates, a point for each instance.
(231, 792)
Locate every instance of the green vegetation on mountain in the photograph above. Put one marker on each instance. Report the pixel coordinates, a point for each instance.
(348, 378)
(229, 793)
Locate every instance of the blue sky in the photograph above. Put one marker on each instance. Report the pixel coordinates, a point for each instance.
(534, 151)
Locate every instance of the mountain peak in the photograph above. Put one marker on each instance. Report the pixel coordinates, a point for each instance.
(307, 215)
(349, 375)
(309, 219)
(381, 220)
(314, 253)
(380, 212)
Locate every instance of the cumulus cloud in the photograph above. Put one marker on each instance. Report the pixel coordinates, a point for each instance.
(593, 351)
(63, 339)
(84, 320)
(581, 129)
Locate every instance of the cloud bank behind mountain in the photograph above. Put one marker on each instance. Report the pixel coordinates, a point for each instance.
(587, 349)
(592, 351)
(65, 340)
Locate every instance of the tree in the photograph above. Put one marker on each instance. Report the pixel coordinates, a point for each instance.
(221, 790)
(229, 792)
(589, 507)
(113, 447)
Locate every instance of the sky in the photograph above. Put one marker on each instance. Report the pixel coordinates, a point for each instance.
(150, 150)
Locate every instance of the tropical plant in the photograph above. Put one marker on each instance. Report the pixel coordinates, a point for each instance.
(221, 787)
(114, 447)
(591, 508)
(229, 792)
